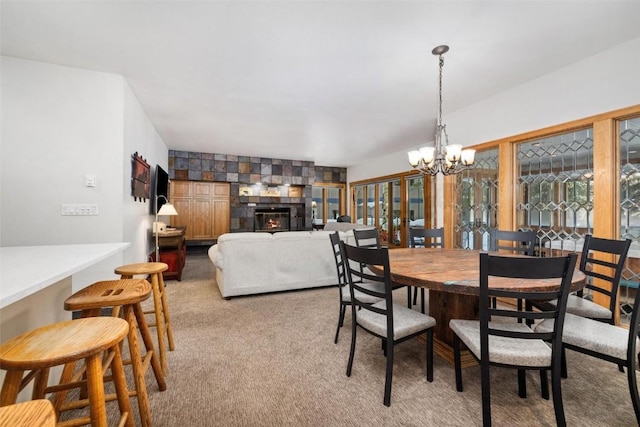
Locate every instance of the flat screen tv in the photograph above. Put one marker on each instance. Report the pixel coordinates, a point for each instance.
(161, 188)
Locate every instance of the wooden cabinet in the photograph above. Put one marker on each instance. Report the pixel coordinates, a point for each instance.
(203, 207)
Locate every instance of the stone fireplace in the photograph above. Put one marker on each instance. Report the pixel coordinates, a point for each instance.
(272, 219)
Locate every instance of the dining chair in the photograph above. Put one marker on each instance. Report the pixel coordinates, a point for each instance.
(343, 288)
(605, 341)
(602, 261)
(516, 242)
(498, 339)
(393, 323)
(425, 238)
(370, 238)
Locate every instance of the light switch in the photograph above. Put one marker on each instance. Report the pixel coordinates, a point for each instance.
(90, 180)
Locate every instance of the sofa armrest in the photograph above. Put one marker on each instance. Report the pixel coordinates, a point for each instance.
(216, 257)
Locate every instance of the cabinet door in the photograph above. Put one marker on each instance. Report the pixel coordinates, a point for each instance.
(183, 219)
(180, 189)
(221, 217)
(202, 190)
(201, 223)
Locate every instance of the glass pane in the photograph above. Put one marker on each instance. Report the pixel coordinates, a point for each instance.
(383, 213)
(397, 219)
(360, 208)
(371, 205)
(415, 203)
(317, 206)
(333, 202)
(556, 188)
(630, 205)
(477, 205)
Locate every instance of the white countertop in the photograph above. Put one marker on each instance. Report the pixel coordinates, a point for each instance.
(24, 270)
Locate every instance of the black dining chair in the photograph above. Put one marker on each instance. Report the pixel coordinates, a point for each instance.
(605, 341)
(391, 322)
(370, 238)
(498, 339)
(343, 287)
(516, 242)
(420, 237)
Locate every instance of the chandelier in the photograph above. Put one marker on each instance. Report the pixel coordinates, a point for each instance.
(442, 157)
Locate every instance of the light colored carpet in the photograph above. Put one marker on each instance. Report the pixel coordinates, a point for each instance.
(270, 360)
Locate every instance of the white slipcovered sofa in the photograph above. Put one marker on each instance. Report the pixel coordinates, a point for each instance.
(253, 263)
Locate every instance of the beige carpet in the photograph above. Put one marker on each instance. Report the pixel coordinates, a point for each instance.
(269, 360)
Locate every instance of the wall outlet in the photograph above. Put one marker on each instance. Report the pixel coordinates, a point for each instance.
(76, 209)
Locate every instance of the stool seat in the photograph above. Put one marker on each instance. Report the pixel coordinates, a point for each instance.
(34, 413)
(160, 303)
(142, 268)
(109, 293)
(61, 343)
(65, 343)
(127, 294)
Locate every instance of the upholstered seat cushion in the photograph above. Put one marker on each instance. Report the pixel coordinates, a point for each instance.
(585, 308)
(509, 351)
(405, 321)
(592, 335)
(366, 298)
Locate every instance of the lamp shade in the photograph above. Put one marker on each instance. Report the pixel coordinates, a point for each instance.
(167, 209)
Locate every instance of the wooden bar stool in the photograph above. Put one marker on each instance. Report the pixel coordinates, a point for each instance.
(34, 413)
(60, 343)
(161, 306)
(127, 294)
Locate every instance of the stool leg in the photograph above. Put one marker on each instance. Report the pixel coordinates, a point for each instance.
(95, 387)
(148, 345)
(136, 364)
(120, 383)
(157, 305)
(10, 387)
(165, 310)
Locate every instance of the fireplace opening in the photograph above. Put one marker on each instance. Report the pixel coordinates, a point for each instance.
(272, 219)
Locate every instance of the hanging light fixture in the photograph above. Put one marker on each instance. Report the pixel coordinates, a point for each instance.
(442, 157)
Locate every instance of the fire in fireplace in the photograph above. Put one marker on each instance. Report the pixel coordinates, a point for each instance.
(271, 219)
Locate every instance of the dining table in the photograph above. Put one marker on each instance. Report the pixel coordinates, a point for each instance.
(452, 277)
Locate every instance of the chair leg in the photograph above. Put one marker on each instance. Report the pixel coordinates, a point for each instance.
(563, 364)
(430, 355)
(389, 375)
(343, 308)
(486, 393)
(522, 383)
(557, 397)
(544, 384)
(633, 390)
(353, 340)
(457, 362)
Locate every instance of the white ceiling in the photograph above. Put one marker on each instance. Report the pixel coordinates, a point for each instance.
(335, 82)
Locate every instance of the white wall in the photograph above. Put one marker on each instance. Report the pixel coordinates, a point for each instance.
(598, 84)
(601, 83)
(59, 124)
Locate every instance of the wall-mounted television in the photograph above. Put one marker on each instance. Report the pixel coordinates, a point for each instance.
(161, 188)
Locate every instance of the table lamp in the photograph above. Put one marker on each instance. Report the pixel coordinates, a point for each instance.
(168, 210)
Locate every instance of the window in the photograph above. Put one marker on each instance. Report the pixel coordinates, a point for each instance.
(328, 202)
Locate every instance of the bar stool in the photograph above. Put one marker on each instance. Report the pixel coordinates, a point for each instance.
(127, 294)
(161, 307)
(65, 342)
(34, 413)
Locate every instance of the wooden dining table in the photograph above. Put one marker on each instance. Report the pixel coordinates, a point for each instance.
(453, 277)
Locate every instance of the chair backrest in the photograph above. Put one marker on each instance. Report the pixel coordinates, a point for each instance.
(355, 256)
(337, 254)
(634, 330)
(593, 252)
(367, 237)
(344, 218)
(426, 237)
(504, 240)
(529, 268)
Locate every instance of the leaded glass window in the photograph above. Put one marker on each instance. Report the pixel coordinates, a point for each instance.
(477, 205)
(555, 182)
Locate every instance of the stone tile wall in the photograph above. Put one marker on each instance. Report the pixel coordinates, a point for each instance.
(242, 170)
